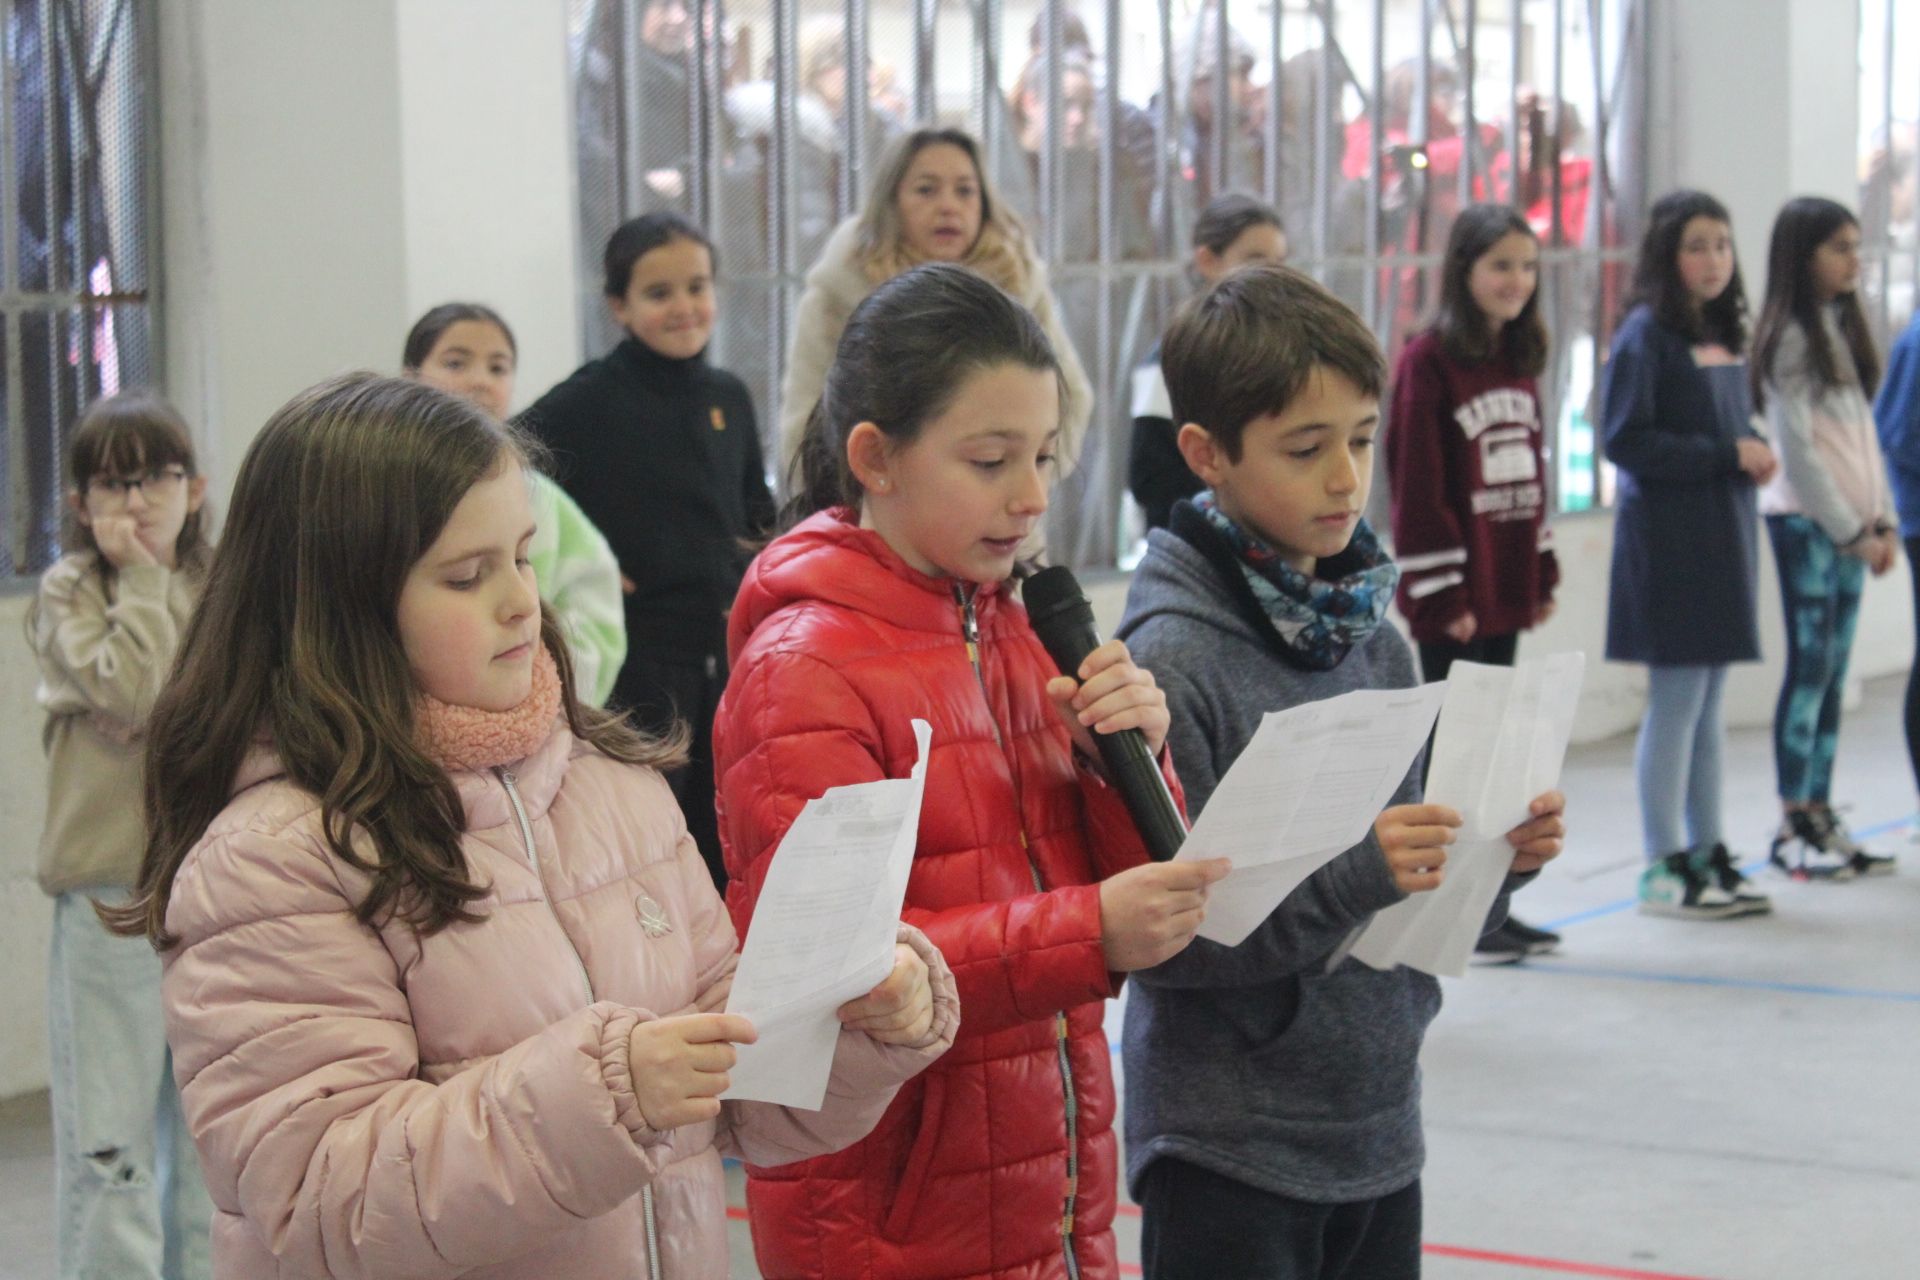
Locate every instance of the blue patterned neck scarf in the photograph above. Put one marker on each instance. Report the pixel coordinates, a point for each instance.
(1318, 619)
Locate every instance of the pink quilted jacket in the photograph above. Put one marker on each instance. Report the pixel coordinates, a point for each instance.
(368, 1103)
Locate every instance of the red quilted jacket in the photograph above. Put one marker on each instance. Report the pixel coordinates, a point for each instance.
(985, 1159)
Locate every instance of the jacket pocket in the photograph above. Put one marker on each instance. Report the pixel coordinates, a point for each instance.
(898, 1222)
(1351, 1048)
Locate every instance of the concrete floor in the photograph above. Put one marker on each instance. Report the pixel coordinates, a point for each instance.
(1663, 1101)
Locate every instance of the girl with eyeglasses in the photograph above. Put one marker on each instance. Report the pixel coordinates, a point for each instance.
(105, 628)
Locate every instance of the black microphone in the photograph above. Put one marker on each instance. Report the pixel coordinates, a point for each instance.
(1063, 620)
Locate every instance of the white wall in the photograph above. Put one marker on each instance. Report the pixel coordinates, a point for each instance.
(486, 129)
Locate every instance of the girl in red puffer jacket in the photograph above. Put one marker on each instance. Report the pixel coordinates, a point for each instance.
(927, 464)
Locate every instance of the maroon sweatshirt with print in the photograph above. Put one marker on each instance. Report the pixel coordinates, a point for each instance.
(1469, 487)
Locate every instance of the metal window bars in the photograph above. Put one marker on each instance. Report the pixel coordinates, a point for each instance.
(782, 107)
(78, 228)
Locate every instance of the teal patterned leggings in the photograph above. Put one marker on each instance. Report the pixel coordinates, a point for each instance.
(1820, 592)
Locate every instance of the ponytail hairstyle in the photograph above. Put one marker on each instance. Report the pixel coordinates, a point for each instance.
(902, 358)
(1656, 274)
(1803, 225)
(1462, 326)
(296, 646)
(637, 237)
(130, 434)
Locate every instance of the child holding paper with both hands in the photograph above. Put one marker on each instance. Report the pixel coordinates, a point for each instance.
(1273, 1122)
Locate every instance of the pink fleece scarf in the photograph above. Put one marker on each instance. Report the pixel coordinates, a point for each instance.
(470, 738)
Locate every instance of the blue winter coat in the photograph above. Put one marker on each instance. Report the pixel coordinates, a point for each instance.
(1896, 412)
(1685, 555)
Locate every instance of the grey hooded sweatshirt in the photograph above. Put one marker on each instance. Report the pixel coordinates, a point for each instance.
(1254, 1061)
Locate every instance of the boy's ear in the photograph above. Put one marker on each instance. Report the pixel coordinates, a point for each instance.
(617, 308)
(868, 457)
(1205, 455)
(78, 505)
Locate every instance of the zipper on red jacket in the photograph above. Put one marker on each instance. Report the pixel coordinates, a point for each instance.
(970, 631)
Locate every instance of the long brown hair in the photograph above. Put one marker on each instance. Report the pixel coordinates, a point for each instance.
(1462, 326)
(1656, 275)
(1001, 252)
(296, 644)
(906, 351)
(1803, 225)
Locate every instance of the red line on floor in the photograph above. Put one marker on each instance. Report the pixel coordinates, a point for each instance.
(1559, 1266)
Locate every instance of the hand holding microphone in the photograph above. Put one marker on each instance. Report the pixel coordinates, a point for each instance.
(1107, 694)
(1113, 712)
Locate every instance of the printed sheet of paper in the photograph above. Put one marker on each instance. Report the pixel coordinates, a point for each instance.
(1501, 741)
(1305, 789)
(823, 931)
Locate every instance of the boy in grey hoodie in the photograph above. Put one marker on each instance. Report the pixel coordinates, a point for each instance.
(1272, 1104)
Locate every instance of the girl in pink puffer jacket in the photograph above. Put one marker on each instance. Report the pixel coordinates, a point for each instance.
(443, 970)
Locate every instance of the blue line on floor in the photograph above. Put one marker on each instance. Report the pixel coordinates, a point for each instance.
(1758, 864)
(1701, 980)
(1881, 828)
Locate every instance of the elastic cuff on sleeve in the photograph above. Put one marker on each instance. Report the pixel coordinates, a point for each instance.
(616, 1069)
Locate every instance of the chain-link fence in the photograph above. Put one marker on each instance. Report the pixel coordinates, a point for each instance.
(1367, 124)
(78, 221)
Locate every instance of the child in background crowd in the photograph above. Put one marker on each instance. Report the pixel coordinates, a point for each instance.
(106, 628)
(1829, 513)
(662, 451)
(1677, 421)
(1466, 462)
(1233, 230)
(467, 350)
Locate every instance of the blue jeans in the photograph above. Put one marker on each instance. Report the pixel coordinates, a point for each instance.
(129, 1203)
(1820, 591)
(1677, 761)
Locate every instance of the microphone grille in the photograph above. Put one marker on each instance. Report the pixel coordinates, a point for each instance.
(1050, 590)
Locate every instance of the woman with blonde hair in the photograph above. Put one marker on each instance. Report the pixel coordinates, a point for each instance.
(930, 202)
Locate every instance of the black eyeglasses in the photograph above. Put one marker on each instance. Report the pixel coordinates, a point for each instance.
(157, 485)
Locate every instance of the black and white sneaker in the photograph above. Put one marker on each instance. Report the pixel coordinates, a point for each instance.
(1538, 942)
(1671, 886)
(1726, 873)
(1502, 946)
(1863, 861)
(1803, 849)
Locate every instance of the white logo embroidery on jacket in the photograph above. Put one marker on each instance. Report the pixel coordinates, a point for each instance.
(653, 916)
